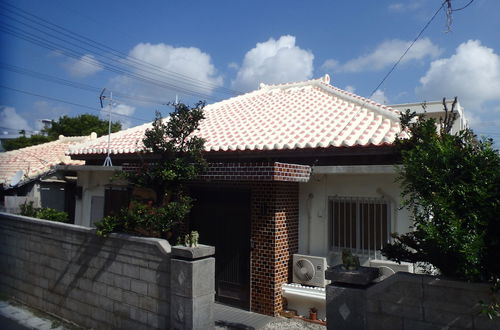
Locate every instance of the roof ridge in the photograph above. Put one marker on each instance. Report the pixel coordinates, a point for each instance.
(362, 101)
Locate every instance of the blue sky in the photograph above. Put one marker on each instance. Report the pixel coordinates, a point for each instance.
(147, 52)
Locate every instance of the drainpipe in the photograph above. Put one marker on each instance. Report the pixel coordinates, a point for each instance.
(309, 221)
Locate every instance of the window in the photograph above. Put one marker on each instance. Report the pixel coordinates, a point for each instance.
(115, 198)
(359, 224)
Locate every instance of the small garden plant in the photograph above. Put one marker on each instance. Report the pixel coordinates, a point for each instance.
(28, 210)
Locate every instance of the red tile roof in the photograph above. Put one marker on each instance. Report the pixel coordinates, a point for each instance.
(37, 160)
(309, 114)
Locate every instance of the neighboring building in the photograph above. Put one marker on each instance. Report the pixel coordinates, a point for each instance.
(294, 168)
(435, 109)
(29, 174)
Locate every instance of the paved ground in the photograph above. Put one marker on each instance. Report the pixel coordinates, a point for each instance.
(14, 316)
(232, 318)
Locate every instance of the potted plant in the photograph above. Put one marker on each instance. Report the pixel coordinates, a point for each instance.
(313, 313)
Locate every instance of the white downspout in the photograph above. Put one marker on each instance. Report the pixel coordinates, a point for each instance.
(309, 221)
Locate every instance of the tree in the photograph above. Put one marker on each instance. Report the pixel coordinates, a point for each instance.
(451, 185)
(79, 126)
(23, 142)
(68, 126)
(179, 159)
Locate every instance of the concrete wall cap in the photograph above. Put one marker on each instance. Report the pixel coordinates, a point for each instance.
(201, 251)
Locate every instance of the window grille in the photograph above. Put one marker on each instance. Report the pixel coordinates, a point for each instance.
(359, 224)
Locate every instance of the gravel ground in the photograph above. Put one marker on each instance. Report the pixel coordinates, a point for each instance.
(280, 324)
(293, 324)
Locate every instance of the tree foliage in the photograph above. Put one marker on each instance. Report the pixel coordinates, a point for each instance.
(178, 159)
(23, 142)
(451, 185)
(68, 126)
(80, 125)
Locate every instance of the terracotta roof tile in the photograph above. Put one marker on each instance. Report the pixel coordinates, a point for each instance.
(37, 160)
(309, 114)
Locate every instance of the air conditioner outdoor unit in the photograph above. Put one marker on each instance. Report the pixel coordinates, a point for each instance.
(309, 270)
(389, 268)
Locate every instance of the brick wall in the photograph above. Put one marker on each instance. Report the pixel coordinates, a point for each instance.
(118, 282)
(275, 235)
(257, 172)
(247, 171)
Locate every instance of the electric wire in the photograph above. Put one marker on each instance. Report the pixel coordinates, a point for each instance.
(137, 63)
(100, 46)
(73, 84)
(462, 8)
(70, 103)
(19, 129)
(26, 35)
(408, 49)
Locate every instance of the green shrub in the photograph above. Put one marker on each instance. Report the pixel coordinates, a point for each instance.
(28, 210)
(451, 185)
(146, 220)
(52, 215)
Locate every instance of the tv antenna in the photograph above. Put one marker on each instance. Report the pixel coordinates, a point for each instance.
(107, 161)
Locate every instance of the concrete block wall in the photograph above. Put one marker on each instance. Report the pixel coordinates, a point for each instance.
(117, 282)
(411, 301)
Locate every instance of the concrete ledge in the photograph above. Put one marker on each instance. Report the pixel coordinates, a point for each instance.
(191, 253)
(160, 243)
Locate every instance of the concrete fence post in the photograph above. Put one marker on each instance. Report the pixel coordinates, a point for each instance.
(346, 303)
(192, 284)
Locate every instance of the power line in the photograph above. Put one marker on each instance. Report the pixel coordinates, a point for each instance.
(407, 50)
(462, 8)
(137, 63)
(70, 103)
(73, 84)
(18, 129)
(42, 42)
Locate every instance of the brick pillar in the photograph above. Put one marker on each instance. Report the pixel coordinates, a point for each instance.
(275, 235)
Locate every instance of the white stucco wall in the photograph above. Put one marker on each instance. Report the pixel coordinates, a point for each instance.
(370, 182)
(92, 183)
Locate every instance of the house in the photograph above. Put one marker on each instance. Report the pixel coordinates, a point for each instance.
(29, 174)
(294, 168)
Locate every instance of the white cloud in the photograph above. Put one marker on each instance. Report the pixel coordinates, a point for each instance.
(274, 62)
(12, 120)
(330, 64)
(86, 66)
(387, 53)
(233, 65)
(379, 96)
(47, 110)
(404, 7)
(350, 88)
(122, 109)
(187, 68)
(472, 74)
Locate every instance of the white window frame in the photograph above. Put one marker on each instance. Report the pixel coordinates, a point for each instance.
(334, 238)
